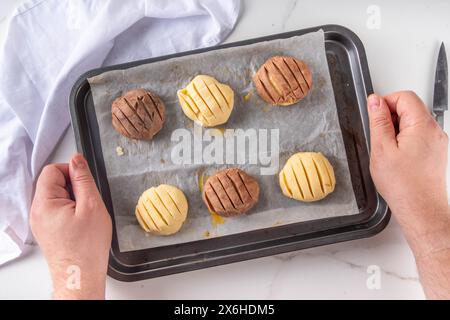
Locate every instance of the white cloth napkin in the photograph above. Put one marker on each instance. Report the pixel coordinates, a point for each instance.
(50, 43)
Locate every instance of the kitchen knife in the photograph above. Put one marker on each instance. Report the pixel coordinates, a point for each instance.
(440, 97)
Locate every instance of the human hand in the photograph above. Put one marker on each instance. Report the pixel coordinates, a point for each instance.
(74, 235)
(409, 171)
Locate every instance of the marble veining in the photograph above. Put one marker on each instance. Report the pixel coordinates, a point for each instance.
(334, 254)
(335, 271)
(287, 13)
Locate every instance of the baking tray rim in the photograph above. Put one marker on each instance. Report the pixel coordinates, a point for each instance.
(126, 65)
(375, 224)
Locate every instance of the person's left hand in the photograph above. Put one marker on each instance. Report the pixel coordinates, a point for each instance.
(74, 235)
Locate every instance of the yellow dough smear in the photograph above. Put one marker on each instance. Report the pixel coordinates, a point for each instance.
(215, 218)
(247, 96)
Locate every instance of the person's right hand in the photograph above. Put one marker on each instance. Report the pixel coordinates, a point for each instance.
(408, 168)
(408, 164)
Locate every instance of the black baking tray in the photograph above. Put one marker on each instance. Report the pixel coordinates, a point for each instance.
(351, 83)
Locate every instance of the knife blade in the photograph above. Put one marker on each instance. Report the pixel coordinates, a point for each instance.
(440, 96)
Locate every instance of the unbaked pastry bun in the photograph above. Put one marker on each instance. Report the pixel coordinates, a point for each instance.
(162, 210)
(230, 192)
(206, 101)
(307, 176)
(283, 80)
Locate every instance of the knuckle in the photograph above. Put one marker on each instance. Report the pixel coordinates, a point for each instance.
(410, 93)
(436, 130)
(443, 136)
(426, 126)
(380, 122)
(431, 122)
(49, 168)
(415, 100)
(83, 178)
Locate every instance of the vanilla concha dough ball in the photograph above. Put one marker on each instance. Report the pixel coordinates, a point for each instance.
(307, 176)
(207, 101)
(162, 210)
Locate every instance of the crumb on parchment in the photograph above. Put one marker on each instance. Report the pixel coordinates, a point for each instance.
(206, 234)
(120, 152)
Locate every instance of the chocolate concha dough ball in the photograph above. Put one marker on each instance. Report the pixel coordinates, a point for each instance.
(283, 80)
(230, 192)
(139, 114)
(307, 176)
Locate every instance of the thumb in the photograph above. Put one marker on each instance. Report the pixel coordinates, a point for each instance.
(382, 132)
(83, 185)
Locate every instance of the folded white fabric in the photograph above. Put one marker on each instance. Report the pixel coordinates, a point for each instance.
(50, 43)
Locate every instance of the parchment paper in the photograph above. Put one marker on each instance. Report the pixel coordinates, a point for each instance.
(310, 125)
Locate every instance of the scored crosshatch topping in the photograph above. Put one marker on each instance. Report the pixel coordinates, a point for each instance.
(139, 114)
(307, 176)
(206, 101)
(283, 80)
(230, 192)
(162, 210)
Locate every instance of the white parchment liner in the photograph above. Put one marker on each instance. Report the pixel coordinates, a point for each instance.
(310, 125)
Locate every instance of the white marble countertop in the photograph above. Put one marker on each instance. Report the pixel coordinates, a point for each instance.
(402, 54)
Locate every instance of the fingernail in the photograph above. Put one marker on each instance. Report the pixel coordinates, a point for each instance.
(79, 162)
(373, 101)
